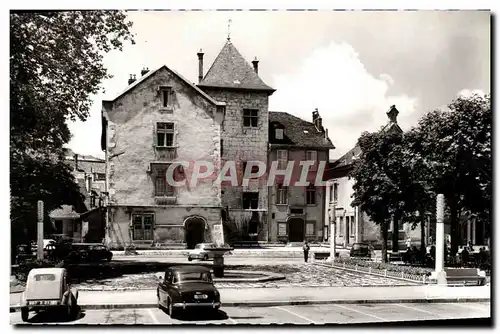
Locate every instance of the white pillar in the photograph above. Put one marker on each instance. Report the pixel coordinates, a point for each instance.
(356, 225)
(327, 209)
(39, 250)
(440, 242)
(468, 234)
(473, 227)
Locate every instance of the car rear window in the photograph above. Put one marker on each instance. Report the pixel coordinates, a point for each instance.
(187, 276)
(45, 277)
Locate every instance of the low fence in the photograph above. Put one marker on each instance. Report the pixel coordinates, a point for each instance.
(400, 275)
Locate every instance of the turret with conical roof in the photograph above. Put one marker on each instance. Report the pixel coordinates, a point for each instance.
(231, 70)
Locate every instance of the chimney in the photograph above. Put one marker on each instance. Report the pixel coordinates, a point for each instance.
(317, 120)
(131, 79)
(315, 115)
(144, 71)
(326, 133)
(393, 114)
(76, 162)
(200, 65)
(255, 63)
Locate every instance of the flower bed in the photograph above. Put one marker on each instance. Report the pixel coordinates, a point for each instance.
(386, 269)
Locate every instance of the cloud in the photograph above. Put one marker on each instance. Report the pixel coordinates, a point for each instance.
(349, 98)
(470, 92)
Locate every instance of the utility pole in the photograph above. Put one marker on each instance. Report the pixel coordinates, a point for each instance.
(332, 231)
(39, 248)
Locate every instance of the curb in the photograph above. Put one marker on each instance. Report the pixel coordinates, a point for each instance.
(290, 303)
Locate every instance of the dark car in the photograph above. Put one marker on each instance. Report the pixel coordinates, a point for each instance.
(360, 250)
(187, 287)
(88, 252)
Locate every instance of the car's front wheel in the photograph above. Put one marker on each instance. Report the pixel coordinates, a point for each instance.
(205, 257)
(189, 258)
(25, 314)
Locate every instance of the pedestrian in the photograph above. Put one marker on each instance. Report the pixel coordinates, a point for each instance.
(408, 243)
(305, 248)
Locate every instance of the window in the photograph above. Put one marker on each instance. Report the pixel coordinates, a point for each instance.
(282, 229)
(161, 186)
(335, 191)
(250, 200)
(165, 134)
(250, 118)
(310, 228)
(45, 277)
(99, 176)
(297, 211)
(311, 195)
(221, 147)
(254, 170)
(341, 226)
(282, 156)
(351, 228)
(348, 226)
(165, 96)
(279, 133)
(142, 228)
(312, 156)
(281, 194)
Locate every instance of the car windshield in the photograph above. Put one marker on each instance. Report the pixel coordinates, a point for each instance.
(193, 276)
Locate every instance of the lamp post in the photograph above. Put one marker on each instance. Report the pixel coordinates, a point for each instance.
(332, 231)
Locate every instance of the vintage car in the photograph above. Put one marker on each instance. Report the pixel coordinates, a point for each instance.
(89, 252)
(46, 289)
(201, 252)
(360, 250)
(187, 287)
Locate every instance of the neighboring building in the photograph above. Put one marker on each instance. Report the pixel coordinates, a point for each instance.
(297, 213)
(159, 119)
(244, 136)
(83, 222)
(353, 225)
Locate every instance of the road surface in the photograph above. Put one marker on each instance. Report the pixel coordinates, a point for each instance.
(306, 314)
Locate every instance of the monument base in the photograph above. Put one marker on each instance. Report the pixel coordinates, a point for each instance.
(438, 277)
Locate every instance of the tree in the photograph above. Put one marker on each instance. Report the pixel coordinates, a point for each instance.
(55, 67)
(456, 147)
(377, 178)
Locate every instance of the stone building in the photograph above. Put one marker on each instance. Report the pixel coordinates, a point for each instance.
(296, 213)
(353, 225)
(161, 118)
(244, 136)
(83, 222)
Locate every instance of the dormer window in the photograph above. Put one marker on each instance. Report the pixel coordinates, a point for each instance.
(165, 93)
(279, 133)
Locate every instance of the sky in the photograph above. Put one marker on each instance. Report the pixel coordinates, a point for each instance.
(351, 65)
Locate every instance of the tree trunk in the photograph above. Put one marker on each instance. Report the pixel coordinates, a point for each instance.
(395, 232)
(383, 228)
(454, 221)
(422, 230)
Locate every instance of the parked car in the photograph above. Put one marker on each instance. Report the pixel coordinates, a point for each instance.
(201, 252)
(83, 252)
(49, 288)
(24, 253)
(187, 287)
(360, 250)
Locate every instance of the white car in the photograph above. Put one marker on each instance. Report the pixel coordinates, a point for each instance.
(200, 252)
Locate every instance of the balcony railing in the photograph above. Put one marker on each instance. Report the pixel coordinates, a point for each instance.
(165, 200)
(166, 153)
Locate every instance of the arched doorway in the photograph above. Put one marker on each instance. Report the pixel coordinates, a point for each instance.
(194, 231)
(296, 231)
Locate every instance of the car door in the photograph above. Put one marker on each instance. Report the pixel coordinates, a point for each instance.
(163, 287)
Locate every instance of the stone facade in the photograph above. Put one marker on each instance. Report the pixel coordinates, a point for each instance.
(134, 156)
(296, 211)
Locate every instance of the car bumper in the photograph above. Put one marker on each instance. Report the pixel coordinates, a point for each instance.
(196, 305)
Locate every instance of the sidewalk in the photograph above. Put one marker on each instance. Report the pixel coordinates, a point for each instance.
(290, 296)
